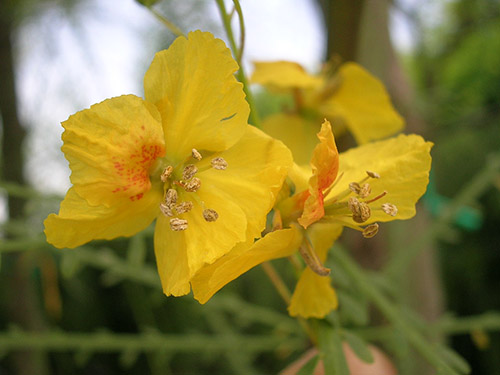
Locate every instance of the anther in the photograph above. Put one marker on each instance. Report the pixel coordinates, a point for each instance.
(390, 209)
(171, 197)
(360, 210)
(354, 187)
(189, 171)
(166, 210)
(177, 224)
(365, 190)
(210, 215)
(183, 207)
(372, 174)
(370, 231)
(167, 172)
(192, 185)
(219, 163)
(196, 154)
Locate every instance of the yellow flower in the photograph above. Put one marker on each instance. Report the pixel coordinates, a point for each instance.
(184, 156)
(351, 98)
(331, 197)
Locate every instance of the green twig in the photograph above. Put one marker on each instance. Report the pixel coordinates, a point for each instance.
(169, 24)
(226, 19)
(143, 342)
(391, 312)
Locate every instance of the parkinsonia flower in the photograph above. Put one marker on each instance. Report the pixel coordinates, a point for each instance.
(348, 96)
(184, 156)
(376, 182)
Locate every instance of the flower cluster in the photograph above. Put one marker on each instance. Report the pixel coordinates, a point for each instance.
(186, 157)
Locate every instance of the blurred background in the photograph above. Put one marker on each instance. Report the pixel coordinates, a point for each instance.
(100, 310)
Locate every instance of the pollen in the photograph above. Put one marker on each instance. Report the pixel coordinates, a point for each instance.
(372, 174)
(219, 163)
(210, 215)
(196, 154)
(370, 231)
(390, 209)
(171, 197)
(354, 187)
(183, 207)
(178, 225)
(166, 173)
(193, 185)
(360, 210)
(365, 190)
(166, 210)
(189, 171)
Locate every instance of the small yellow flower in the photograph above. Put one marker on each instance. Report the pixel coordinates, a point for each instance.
(391, 175)
(351, 97)
(184, 156)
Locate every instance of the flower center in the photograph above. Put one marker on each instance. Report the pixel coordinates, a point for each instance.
(358, 203)
(181, 180)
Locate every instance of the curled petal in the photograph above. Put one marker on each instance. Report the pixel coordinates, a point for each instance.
(284, 75)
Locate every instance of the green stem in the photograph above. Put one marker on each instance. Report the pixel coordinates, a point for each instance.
(143, 342)
(467, 195)
(390, 312)
(277, 282)
(226, 19)
(170, 25)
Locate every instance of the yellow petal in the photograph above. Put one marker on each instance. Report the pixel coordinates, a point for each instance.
(325, 166)
(363, 102)
(274, 245)
(283, 75)
(78, 222)
(242, 195)
(403, 164)
(179, 255)
(201, 104)
(257, 167)
(296, 132)
(111, 147)
(314, 296)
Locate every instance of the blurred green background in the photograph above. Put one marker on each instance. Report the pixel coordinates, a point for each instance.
(100, 310)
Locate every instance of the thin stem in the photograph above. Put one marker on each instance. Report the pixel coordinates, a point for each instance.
(237, 7)
(391, 312)
(170, 25)
(226, 20)
(277, 282)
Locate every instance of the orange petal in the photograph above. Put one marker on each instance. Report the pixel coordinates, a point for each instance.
(325, 166)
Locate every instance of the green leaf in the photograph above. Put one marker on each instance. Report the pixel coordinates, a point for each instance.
(353, 309)
(454, 359)
(359, 347)
(332, 353)
(310, 366)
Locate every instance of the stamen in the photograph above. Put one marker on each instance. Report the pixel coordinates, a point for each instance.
(195, 154)
(360, 210)
(165, 210)
(171, 197)
(312, 260)
(189, 171)
(184, 207)
(219, 163)
(370, 231)
(390, 209)
(210, 215)
(167, 172)
(177, 224)
(365, 190)
(383, 194)
(192, 185)
(372, 174)
(354, 187)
